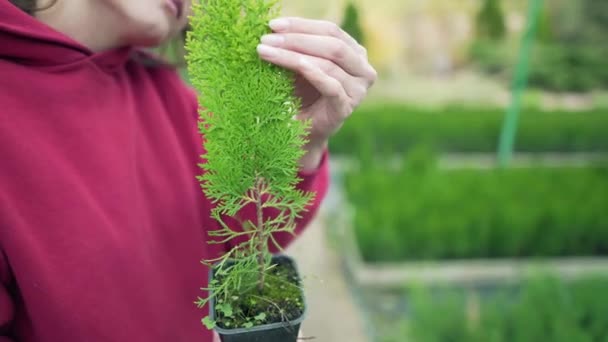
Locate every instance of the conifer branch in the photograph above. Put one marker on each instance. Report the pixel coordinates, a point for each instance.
(252, 143)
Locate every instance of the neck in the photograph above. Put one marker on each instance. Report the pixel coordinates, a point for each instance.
(83, 22)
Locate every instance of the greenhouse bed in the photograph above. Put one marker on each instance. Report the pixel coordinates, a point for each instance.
(386, 293)
(540, 308)
(389, 128)
(472, 272)
(458, 246)
(382, 285)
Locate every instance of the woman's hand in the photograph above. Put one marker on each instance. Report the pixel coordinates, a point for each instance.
(333, 74)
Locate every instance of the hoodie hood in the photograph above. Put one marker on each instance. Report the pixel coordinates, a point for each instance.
(26, 40)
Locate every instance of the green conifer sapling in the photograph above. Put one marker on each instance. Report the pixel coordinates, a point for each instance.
(490, 21)
(252, 140)
(351, 23)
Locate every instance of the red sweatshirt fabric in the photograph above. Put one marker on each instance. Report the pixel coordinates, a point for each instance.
(102, 222)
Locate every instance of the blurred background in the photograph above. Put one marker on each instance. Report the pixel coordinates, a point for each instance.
(469, 198)
(470, 191)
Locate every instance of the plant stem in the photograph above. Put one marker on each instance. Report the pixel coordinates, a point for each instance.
(260, 233)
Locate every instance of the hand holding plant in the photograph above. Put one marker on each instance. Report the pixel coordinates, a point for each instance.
(333, 73)
(263, 122)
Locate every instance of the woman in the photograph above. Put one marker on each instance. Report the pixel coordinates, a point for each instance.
(102, 223)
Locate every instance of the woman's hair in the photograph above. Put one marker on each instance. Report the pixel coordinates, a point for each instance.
(31, 6)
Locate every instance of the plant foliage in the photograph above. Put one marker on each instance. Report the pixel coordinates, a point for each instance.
(391, 128)
(491, 21)
(252, 140)
(351, 23)
(422, 212)
(543, 309)
(569, 54)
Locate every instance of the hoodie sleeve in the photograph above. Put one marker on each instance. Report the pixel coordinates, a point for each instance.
(7, 308)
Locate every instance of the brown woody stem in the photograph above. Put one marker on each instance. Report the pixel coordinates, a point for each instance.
(260, 233)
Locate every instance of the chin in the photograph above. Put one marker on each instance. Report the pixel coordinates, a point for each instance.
(145, 23)
(150, 33)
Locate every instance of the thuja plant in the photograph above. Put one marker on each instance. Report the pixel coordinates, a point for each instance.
(253, 143)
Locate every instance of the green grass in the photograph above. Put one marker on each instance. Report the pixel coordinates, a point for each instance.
(390, 128)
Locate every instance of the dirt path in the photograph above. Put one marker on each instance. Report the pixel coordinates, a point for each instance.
(332, 315)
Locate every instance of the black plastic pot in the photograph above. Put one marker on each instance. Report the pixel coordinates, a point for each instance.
(274, 332)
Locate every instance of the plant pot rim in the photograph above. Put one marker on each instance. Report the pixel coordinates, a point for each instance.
(264, 327)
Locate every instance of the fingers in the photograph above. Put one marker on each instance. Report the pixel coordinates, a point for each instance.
(323, 39)
(340, 105)
(315, 27)
(328, 59)
(326, 85)
(352, 86)
(325, 47)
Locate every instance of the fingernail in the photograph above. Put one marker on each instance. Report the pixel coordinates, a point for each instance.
(279, 24)
(266, 50)
(272, 39)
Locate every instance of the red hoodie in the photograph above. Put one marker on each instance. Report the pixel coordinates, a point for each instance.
(102, 222)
